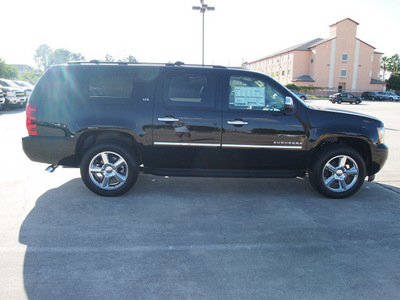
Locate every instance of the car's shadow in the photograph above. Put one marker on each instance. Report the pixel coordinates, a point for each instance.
(180, 238)
(12, 110)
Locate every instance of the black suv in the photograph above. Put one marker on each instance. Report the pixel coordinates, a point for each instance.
(14, 95)
(112, 120)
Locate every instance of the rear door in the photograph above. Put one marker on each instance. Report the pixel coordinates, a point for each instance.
(257, 133)
(187, 120)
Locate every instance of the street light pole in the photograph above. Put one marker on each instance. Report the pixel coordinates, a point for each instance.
(203, 8)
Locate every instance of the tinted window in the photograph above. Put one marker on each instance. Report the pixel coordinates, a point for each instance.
(252, 93)
(190, 89)
(110, 85)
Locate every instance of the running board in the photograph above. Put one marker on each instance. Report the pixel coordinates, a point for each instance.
(224, 173)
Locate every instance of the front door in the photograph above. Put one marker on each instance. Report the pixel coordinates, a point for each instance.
(257, 133)
(187, 121)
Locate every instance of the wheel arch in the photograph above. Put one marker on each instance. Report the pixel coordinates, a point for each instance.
(94, 137)
(358, 144)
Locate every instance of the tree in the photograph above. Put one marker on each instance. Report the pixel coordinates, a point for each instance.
(45, 57)
(394, 63)
(31, 76)
(385, 65)
(77, 57)
(42, 57)
(109, 58)
(60, 56)
(394, 82)
(8, 71)
(129, 59)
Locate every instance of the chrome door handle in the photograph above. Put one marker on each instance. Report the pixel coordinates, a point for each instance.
(237, 123)
(168, 119)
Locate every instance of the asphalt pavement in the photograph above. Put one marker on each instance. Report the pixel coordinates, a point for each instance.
(196, 238)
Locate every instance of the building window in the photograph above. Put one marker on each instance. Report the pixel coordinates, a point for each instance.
(312, 60)
(343, 73)
(283, 72)
(370, 73)
(345, 57)
(288, 72)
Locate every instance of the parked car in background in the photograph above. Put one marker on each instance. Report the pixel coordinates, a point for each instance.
(344, 97)
(26, 86)
(2, 100)
(365, 95)
(376, 96)
(392, 96)
(15, 96)
(300, 95)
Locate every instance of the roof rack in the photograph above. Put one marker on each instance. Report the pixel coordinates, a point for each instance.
(176, 64)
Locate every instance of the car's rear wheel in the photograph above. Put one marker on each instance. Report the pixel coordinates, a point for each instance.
(339, 101)
(337, 172)
(109, 170)
(357, 101)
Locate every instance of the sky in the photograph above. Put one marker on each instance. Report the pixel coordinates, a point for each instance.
(170, 30)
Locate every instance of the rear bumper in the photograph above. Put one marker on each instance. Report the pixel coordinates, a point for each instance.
(59, 151)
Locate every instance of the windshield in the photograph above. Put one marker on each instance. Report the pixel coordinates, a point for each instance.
(23, 84)
(8, 83)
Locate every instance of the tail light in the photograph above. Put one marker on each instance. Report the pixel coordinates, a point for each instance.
(31, 124)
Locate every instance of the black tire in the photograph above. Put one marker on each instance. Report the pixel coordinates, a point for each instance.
(109, 170)
(357, 101)
(338, 171)
(339, 102)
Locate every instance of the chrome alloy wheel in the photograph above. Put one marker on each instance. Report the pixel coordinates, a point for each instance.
(108, 170)
(340, 173)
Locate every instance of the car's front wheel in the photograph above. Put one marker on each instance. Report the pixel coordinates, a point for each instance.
(109, 170)
(338, 171)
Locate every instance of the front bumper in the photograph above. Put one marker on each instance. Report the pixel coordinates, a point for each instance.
(15, 101)
(378, 159)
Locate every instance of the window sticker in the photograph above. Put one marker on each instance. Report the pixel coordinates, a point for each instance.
(249, 96)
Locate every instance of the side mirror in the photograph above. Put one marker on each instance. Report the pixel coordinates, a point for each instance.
(289, 105)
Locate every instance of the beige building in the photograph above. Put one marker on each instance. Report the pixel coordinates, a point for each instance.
(341, 62)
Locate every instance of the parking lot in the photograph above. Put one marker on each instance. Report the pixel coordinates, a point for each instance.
(197, 238)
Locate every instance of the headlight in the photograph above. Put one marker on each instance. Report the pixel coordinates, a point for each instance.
(11, 94)
(381, 134)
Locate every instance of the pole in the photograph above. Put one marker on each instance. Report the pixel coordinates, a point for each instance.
(203, 8)
(202, 54)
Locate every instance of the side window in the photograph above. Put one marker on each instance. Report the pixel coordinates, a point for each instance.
(190, 89)
(54, 86)
(110, 85)
(251, 93)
